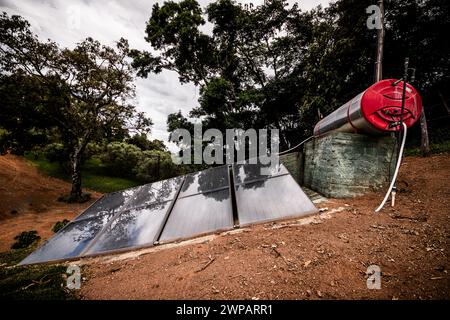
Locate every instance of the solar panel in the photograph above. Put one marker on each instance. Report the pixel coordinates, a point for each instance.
(246, 173)
(204, 181)
(178, 208)
(204, 205)
(136, 217)
(134, 197)
(261, 198)
(133, 228)
(70, 241)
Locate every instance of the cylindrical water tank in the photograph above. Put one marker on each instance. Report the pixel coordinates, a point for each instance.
(377, 110)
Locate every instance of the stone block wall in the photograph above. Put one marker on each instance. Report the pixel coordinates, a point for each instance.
(341, 165)
(293, 162)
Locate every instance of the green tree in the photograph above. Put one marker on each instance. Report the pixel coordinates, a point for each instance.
(142, 141)
(340, 60)
(249, 70)
(86, 90)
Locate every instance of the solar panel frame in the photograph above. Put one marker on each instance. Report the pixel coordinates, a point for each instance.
(241, 213)
(57, 237)
(165, 239)
(128, 202)
(86, 252)
(114, 216)
(213, 185)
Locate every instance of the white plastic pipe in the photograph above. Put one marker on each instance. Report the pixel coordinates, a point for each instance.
(399, 160)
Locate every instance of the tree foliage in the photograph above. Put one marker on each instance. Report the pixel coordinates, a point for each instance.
(278, 67)
(84, 93)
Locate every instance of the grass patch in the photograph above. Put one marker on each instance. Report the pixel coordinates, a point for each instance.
(103, 183)
(37, 282)
(93, 175)
(435, 148)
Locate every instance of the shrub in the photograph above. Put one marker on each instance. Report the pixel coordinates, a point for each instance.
(156, 165)
(93, 149)
(59, 225)
(25, 239)
(85, 197)
(56, 152)
(142, 142)
(121, 158)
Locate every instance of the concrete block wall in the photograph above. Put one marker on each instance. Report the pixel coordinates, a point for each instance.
(341, 165)
(293, 162)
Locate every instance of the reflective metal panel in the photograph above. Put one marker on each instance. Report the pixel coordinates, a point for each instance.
(198, 214)
(134, 197)
(70, 241)
(160, 191)
(137, 227)
(105, 204)
(271, 198)
(207, 180)
(246, 173)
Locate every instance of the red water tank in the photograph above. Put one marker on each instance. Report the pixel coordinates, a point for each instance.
(377, 110)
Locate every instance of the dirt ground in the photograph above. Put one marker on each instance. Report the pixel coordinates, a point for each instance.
(28, 201)
(325, 259)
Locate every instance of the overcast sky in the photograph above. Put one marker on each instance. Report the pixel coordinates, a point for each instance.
(69, 22)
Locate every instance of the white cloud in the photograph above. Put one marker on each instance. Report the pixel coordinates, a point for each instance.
(69, 22)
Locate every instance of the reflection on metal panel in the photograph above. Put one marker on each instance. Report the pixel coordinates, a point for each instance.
(204, 205)
(246, 173)
(133, 228)
(207, 180)
(131, 217)
(133, 198)
(70, 241)
(198, 214)
(269, 197)
(178, 208)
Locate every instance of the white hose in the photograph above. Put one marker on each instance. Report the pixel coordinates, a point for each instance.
(399, 160)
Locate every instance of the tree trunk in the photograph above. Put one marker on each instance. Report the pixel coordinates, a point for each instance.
(75, 166)
(425, 143)
(380, 45)
(444, 103)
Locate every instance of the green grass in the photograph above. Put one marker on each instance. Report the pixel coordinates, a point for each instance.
(37, 282)
(435, 148)
(94, 176)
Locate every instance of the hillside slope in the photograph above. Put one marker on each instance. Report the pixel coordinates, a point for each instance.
(28, 200)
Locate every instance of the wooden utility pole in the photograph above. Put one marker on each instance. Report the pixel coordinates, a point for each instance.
(424, 143)
(380, 45)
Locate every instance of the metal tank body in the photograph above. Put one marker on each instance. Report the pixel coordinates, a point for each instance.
(377, 110)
